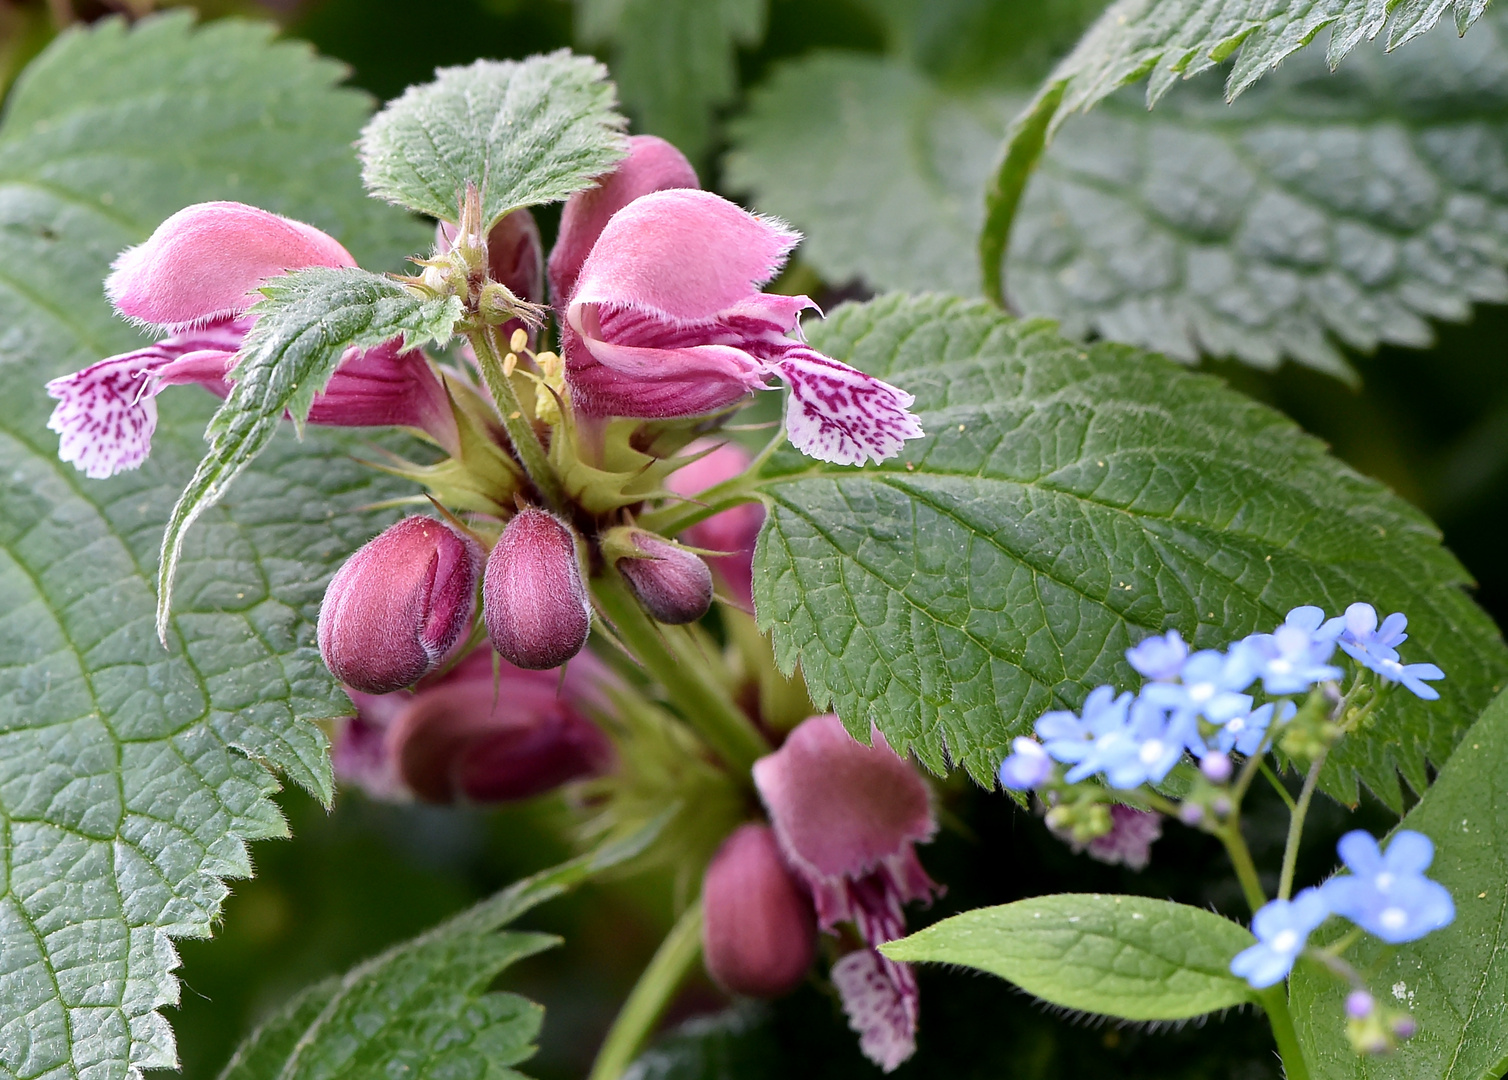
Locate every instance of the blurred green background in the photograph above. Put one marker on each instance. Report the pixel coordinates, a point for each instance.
(1433, 425)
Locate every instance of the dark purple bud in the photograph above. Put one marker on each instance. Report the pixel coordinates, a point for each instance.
(673, 584)
(485, 741)
(759, 930)
(399, 605)
(533, 597)
(1359, 1004)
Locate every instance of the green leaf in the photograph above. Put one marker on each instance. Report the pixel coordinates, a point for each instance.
(808, 151)
(1124, 956)
(422, 1008)
(132, 777)
(1354, 205)
(524, 132)
(305, 323)
(1067, 502)
(1165, 40)
(675, 61)
(1454, 981)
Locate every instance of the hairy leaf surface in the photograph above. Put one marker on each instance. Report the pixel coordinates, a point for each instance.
(808, 149)
(1125, 956)
(1166, 40)
(1455, 981)
(422, 1008)
(1354, 205)
(305, 323)
(131, 776)
(1320, 209)
(1067, 502)
(675, 61)
(524, 132)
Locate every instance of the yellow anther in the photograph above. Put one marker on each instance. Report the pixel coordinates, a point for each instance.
(509, 363)
(518, 341)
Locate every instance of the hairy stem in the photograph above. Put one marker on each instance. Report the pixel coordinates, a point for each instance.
(526, 444)
(672, 657)
(1274, 1001)
(650, 995)
(1240, 857)
(1296, 826)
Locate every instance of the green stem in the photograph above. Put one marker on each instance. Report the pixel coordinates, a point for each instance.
(1277, 785)
(1296, 827)
(526, 444)
(1240, 857)
(1274, 1002)
(672, 657)
(650, 995)
(731, 492)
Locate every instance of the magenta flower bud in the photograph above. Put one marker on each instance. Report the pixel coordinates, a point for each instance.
(667, 320)
(474, 738)
(533, 597)
(847, 817)
(1405, 1027)
(652, 165)
(1216, 767)
(673, 584)
(759, 933)
(399, 605)
(733, 530)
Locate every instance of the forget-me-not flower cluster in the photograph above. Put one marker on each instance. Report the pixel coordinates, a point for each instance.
(1386, 894)
(1201, 702)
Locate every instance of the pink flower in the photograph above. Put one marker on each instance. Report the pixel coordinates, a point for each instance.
(470, 736)
(733, 530)
(1129, 841)
(665, 319)
(194, 278)
(652, 165)
(847, 817)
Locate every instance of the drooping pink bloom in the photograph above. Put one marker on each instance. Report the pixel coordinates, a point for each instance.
(194, 278)
(666, 320)
(477, 736)
(534, 599)
(399, 605)
(733, 530)
(759, 933)
(847, 817)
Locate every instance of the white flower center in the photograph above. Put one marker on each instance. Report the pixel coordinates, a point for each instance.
(1280, 666)
(1393, 918)
(1285, 941)
(1383, 881)
(1201, 692)
(1237, 724)
(1151, 750)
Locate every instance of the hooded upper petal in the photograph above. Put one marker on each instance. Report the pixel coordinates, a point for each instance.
(842, 809)
(686, 256)
(206, 261)
(652, 165)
